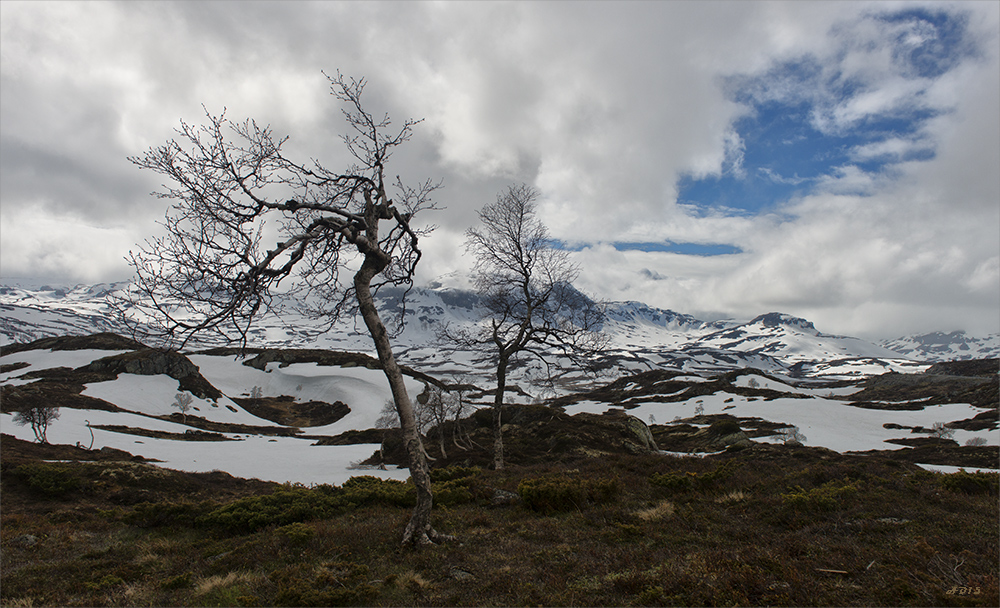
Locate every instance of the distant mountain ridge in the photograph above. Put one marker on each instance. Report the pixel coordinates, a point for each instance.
(642, 337)
(939, 346)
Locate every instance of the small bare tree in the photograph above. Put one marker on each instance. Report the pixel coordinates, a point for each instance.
(437, 407)
(941, 431)
(39, 418)
(525, 285)
(233, 186)
(459, 388)
(182, 401)
(792, 434)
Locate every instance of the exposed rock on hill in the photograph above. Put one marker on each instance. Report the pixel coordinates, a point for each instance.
(534, 434)
(152, 362)
(101, 341)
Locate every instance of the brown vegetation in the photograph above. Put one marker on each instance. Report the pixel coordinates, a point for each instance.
(768, 525)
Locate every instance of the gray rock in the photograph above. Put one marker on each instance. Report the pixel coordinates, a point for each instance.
(503, 498)
(461, 575)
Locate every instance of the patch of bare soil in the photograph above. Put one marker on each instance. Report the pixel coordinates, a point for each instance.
(285, 411)
(195, 435)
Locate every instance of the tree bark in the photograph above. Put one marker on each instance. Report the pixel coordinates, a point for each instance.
(498, 462)
(419, 530)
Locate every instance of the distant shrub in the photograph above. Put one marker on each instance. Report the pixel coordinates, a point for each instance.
(674, 481)
(971, 483)
(976, 442)
(455, 472)
(552, 493)
(285, 506)
(151, 514)
(690, 480)
(367, 489)
(827, 497)
(50, 479)
(724, 427)
(297, 533)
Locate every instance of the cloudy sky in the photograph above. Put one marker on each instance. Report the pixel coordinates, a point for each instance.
(837, 161)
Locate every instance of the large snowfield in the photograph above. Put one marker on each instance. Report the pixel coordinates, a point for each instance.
(824, 420)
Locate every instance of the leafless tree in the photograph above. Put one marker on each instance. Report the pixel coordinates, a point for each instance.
(525, 284)
(39, 418)
(234, 186)
(941, 431)
(437, 406)
(459, 388)
(182, 401)
(792, 434)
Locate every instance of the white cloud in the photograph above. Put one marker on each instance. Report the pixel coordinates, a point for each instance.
(601, 106)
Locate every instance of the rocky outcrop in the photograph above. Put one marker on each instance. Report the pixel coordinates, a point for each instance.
(154, 362)
(724, 433)
(631, 433)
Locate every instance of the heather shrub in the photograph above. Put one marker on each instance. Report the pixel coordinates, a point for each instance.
(50, 479)
(455, 472)
(827, 497)
(367, 489)
(674, 481)
(152, 514)
(685, 481)
(724, 427)
(971, 483)
(297, 533)
(285, 506)
(450, 493)
(552, 493)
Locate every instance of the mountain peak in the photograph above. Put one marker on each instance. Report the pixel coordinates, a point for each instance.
(774, 319)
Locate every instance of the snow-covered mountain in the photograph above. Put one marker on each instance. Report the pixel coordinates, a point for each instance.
(940, 346)
(642, 337)
(135, 410)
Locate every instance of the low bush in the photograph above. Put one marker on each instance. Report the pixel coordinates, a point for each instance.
(297, 533)
(552, 493)
(455, 472)
(724, 427)
(978, 482)
(827, 497)
(690, 480)
(288, 505)
(367, 490)
(167, 513)
(50, 479)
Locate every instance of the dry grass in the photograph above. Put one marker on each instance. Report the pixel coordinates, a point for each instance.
(661, 510)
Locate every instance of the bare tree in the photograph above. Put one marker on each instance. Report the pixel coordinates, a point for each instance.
(437, 407)
(39, 418)
(525, 284)
(233, 186)
(792, 434)
(941, 431)
(182, 401)
(459, 388)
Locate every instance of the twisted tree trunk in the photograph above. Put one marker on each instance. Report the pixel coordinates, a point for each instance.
(419, 530)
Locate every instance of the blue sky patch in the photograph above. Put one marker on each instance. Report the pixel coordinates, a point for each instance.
(802, 128)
